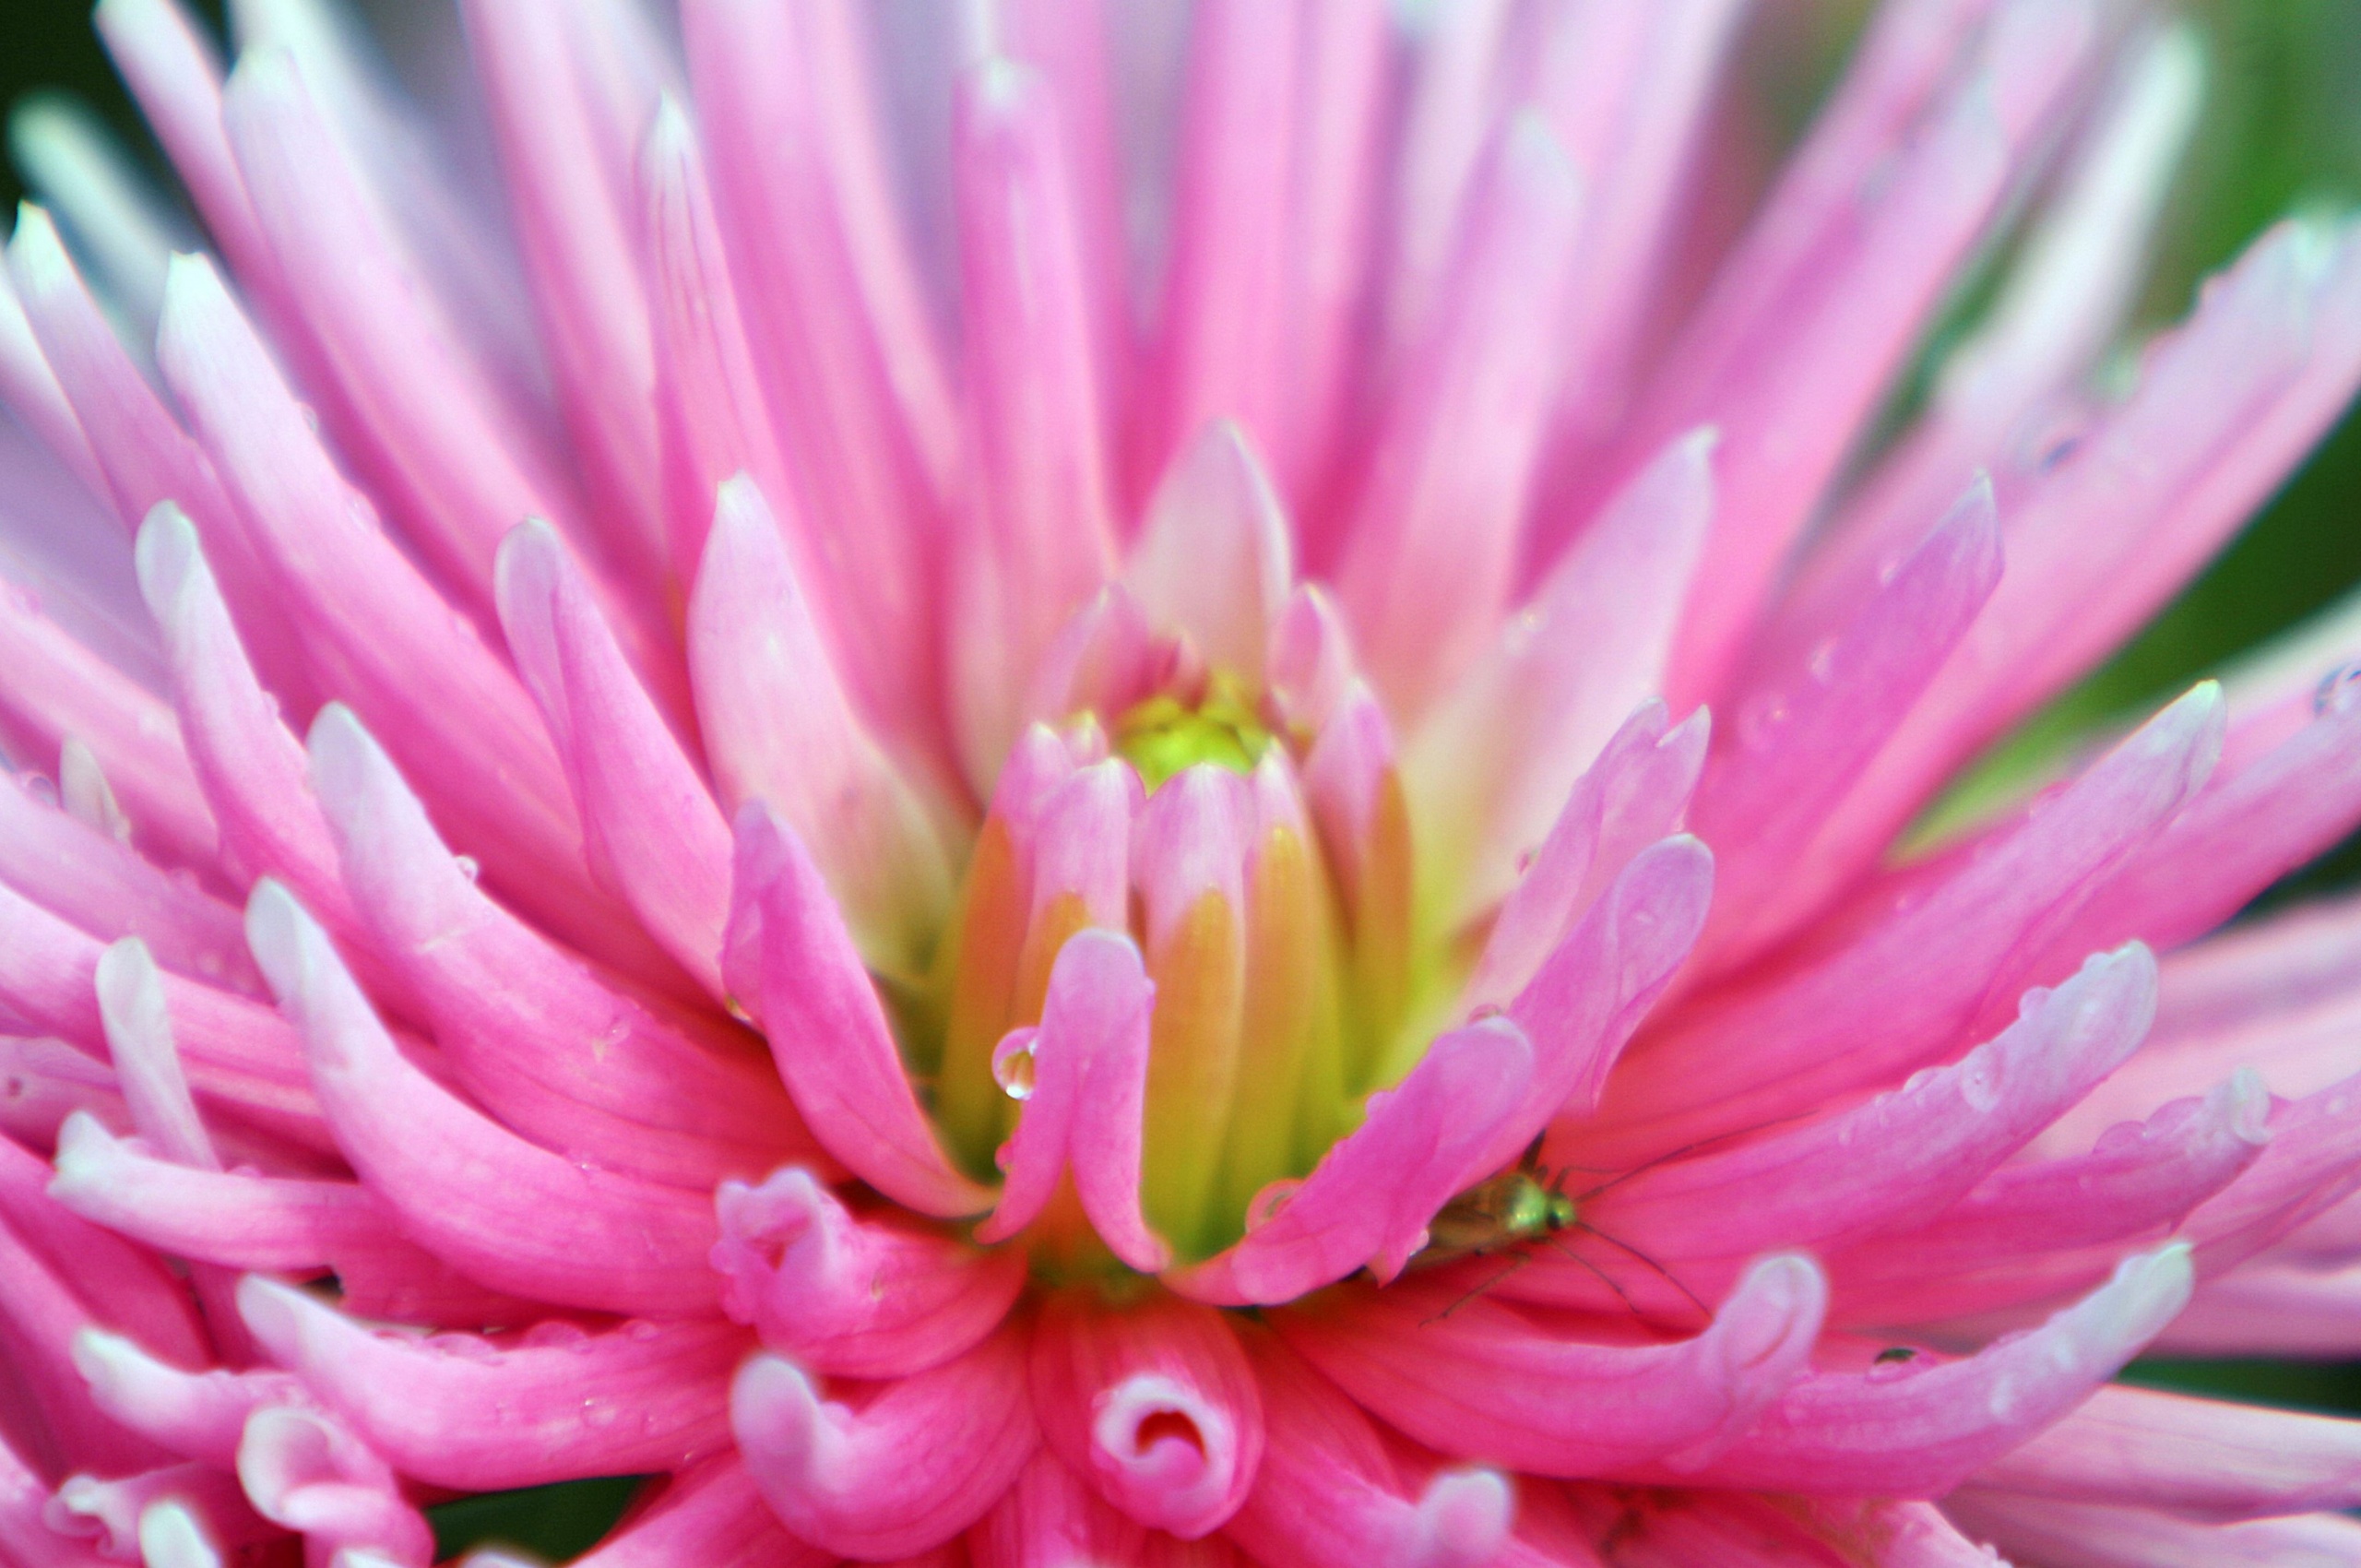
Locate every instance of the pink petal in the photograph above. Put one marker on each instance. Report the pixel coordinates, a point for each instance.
(1212, 558)
(1804, 729)
(711, 1514)
(650, 829)
(1329, 1494)
(871, 1296)
(714, 418)
(565, 149)
(501, 1210)
(903, 1469)
(481, 1415)
(2034, 1229)
(1089, 1061)
(828, 1030)
(306, 1471)
(1892, 1164)
(1593, 989)
(2196, 1458)
(445, 701)
(2078, 1534)
(1038, 538)
(1633, 795)
(1368, 1200)
(1433, 548)
(1222, 315)
(1491, 770)
(780, 727)
(1050, 1516)
(836, 313)
(238, 1055)
(1938, 962)
(200, 1415)
(1154, 1404)
(560, 1054)
(1484, 1380)
(1919, 1428)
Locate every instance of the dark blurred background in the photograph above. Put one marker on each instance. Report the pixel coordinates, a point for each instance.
(2281, 132)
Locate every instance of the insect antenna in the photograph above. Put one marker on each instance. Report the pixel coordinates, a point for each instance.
(1664, 1273)
(1516, 1261)
(1668, 1156)
(1604, 1277)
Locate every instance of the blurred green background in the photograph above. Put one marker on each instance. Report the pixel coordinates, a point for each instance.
(2282, 131)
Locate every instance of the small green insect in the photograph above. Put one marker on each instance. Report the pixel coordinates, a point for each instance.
(1896, 1353)
(1516, 1205)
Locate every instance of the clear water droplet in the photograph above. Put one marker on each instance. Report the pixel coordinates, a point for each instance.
(468, 866)
(2338, 690)
(1013, 1064)
(41, 787)
(1759, 720)
(1822, 660)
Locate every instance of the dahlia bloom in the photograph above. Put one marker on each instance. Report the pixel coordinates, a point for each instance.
(982, 821)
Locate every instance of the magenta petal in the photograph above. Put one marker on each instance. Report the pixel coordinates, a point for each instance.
(305, 1470)
(1154, 1404)
(1089, 1060)
(903, 1465)
(852, 1296)
(200, 1415)
(1050, 1516)
(827, 1029)
(506, 1212)
(1368, 1200)
(711, 1516)
(552, 1405)
(1485, 1381)
(1331, 1495)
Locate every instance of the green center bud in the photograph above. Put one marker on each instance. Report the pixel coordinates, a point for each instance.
(1163, 735)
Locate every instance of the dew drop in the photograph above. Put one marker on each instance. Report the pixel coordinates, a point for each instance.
(41, 787)
(1822, 660)
(1013, 1064)
(1759, 720)
(555, 1332)
(2338, 690)
(468, 866)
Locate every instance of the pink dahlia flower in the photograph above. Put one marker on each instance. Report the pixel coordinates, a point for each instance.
(981, 820)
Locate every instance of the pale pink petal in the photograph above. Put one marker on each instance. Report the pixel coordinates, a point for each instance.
(1800, 731)
(900, 1467)
(1892, 1164)
(2081, 1535)
(2198, 1458)
(200, 1415)
(1434, 543)
(1634, 794)
(650, 829)
(780, 727)
(1038, 538)
(1492, 769)
(561, 1055)
(124, 1286)
(1212, 558)
(1329, 1494)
